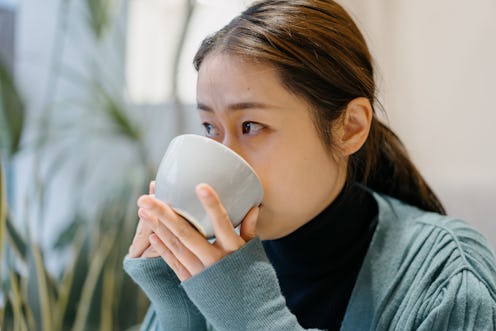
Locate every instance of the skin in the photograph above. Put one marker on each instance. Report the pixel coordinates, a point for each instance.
(244, 106)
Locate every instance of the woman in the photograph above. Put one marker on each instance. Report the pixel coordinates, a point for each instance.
(349, 235)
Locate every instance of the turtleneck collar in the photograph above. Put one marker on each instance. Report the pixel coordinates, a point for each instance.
(318, 263)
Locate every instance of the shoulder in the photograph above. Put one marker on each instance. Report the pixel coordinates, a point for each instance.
(436, 242)
(426, 269)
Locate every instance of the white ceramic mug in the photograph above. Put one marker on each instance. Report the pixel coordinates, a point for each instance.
(193, 159)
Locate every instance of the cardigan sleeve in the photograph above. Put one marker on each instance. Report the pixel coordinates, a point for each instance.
(170, 309)
(464, 303)
(241, 292)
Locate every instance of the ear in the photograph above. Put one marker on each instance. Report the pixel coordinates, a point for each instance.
(354, 126)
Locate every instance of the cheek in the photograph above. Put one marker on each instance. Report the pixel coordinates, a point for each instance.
(296, 189)
(270, 169)
(285, 181)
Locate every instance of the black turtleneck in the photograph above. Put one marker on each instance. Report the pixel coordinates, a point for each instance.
(317, 265)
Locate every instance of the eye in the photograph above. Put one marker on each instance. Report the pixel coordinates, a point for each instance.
(210, 130)
(251, 127)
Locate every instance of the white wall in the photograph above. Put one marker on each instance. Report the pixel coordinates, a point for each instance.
(153, 33)
(436, 62)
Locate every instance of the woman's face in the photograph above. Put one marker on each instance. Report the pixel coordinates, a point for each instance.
(245, 107)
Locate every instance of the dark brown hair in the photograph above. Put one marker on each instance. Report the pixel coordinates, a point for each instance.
(321, 55)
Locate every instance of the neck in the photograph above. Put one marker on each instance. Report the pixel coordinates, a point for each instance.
(317, 264)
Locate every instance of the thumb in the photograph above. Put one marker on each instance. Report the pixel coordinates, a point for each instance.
(248, 228)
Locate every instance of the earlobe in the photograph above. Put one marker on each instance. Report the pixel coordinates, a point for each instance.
(355, 125)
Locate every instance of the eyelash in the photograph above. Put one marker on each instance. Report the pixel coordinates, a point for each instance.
(248, 125)
(245, 127)
(207, 126)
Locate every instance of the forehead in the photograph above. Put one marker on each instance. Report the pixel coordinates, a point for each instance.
(228, 75)
(226, 58)
(227, 83)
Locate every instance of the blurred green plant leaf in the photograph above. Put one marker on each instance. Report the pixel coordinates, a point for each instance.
(45, 288)
(17, 242)
(3, 215)
(91, 282)
(92, 293)
(68, 234)
(11, 112)
(100, 15)
(118, 116)
(109, 289)
(67, 281)
(20, 320)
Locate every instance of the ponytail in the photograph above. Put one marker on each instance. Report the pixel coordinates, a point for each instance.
(383, 165)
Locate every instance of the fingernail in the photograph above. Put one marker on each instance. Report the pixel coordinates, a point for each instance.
(253, 214)
(143, 213)
(202, 191)
(144, 202)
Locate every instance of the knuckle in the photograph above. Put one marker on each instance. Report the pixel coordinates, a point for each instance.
(224, 216)
(164, 253)
(212, 202)
(160, 208)
(213, 258)
(220, 212)
(183, 231)
(174, 264)
(154, 224)
(175, 245)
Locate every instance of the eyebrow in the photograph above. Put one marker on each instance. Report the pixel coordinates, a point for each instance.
(237, 106)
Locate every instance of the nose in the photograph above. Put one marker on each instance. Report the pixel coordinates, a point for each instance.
(232, 143)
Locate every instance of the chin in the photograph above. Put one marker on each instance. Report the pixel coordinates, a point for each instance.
(263, 229)
(269, 225)
(263, 226)
(267, 231)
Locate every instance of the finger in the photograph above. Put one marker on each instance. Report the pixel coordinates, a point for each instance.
(189, 260)
(182, 230)
(152, 187)
(150, 252)
(225, 235)
(248, 228)
(179, 269)
(140, 241)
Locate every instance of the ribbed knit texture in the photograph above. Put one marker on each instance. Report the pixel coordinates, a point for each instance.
(422, 271)
(242, 293)
(171, 307)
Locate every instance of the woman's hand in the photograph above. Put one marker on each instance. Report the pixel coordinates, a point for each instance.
(140, 247)
(182, 247)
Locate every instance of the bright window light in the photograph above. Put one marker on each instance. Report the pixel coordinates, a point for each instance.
(153, 36)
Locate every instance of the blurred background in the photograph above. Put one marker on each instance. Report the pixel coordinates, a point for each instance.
(92, 91)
